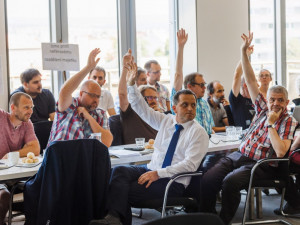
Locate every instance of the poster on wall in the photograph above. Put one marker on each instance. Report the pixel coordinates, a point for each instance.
(60, 56)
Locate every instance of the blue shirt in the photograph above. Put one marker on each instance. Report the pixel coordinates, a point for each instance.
(203, 113)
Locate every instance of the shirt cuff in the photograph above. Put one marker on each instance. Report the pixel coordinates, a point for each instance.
(162, 173)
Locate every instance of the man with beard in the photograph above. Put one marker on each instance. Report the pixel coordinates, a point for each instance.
(43, 100)
(217, 102)
(269, 136)
(17, 134)
(78, 118)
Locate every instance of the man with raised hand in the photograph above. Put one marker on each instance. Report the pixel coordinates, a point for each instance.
(179, 147)
(269, 136)
(194, 82)
(239, 97)
(78, 118)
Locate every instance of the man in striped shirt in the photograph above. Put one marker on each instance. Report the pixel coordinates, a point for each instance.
(269, 136)
(78, 118)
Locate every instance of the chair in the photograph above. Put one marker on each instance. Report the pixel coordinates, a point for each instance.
(190, 219)
(115, 126)
(272, 183)
(42, 131)
(189, 201)
(71, 185)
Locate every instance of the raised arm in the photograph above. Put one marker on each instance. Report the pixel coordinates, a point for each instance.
(127, 64)
(247, 68)
(236, 84)
(65, 94)
(178, 79)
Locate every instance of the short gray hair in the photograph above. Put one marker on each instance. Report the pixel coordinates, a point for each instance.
(278, 89)
(143, 88)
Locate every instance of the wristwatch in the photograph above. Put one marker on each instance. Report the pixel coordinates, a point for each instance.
(271, 126)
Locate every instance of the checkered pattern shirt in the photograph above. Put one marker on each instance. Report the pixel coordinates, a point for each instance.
(257, 145)
(68, 125)
(203, 113)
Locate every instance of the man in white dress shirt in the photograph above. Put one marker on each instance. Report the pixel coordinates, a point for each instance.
(133, 184)
(106, 101)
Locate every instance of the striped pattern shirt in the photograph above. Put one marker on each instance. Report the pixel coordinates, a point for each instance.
(257, 144)
(68, 125)
(203, 113)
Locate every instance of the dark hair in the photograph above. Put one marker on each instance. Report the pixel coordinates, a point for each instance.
(99, 69)
(147, 65)
(139, 72)
(210, 87)
(190, 79)
(15, 98)
(182, 92)
(28, 74)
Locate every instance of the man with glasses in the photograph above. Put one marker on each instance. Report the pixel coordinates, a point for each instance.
(194, 82)
(264, 79)
(153, 77)
(78, 118)
(106, 100)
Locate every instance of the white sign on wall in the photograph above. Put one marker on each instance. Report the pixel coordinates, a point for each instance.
(60, 56)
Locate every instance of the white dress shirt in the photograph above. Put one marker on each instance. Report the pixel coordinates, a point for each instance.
(192, 143)
(106, 100)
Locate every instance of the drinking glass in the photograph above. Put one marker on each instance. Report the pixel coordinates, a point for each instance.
(140, 142)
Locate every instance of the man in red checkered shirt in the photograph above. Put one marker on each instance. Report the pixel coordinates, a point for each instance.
(269, 136)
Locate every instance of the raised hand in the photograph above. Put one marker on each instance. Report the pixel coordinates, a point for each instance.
(127, 58)
(92, 60)
(250, 50)
(182, 37)
(247, 41)
(132, 73)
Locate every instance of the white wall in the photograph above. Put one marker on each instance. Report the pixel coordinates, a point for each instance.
(219, 27)
(3, 63)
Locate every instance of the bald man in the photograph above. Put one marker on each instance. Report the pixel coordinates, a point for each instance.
(78, 118)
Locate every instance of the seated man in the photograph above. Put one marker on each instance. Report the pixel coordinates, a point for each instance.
(217, 102)
(137, 183)
(239, 98)
(43, 100)
(264, 78)
(153, 77)
(292, 192)
(132, 124)
(78, 118)
(269, 135)
(106, 100)
(141, 79)
(17, 134)
(194, 82)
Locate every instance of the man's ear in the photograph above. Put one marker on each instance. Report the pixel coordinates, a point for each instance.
(25, 85)
(103, 82)
(12, 107)
(188, 86)
(174, 108)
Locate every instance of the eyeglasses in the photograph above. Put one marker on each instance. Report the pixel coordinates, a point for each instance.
(200, 85)
(151, 98)
(264, 75)
(156, 72)
(92, 95)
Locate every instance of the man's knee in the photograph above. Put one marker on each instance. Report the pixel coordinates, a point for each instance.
(4, 196)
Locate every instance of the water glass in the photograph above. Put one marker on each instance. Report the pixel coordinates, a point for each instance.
(96, 136)
(140, 142)
(238, 132)
(13, 158)
(230, 133)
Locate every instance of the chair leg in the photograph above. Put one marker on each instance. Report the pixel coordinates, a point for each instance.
(138, 215)
(259, 214)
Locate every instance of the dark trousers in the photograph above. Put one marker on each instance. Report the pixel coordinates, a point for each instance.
(292, 193)
(124, 190)
(231, 174)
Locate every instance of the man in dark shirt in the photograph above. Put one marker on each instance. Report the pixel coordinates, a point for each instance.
(43, 100)
(239, 98)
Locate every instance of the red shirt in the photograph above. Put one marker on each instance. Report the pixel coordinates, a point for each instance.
(11, 138)
(257, 144)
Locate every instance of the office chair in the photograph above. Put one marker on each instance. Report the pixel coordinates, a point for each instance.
(71, 185)
(189, 201)
(115, 126)
(42, 131)
(190, 219)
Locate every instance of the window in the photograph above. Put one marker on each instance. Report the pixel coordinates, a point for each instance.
(262, 26)
(96, 27)
(28, 26)
(153, 35)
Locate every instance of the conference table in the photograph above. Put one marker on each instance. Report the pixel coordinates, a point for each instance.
(216, 143)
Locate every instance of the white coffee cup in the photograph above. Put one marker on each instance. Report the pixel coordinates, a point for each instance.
(96, 136)
(13, 158)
